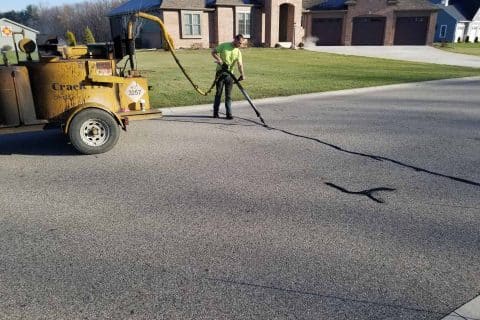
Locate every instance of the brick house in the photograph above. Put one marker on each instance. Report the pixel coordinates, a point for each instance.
(371, 22)
(205, 23)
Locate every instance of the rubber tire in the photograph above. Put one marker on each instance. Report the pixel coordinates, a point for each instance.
(96, 115)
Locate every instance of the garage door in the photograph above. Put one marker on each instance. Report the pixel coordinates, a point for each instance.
(368, 31)
(328, 31)
(411, 31)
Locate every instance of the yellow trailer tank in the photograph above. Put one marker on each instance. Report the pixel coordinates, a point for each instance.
(77, 89)
(65, 86)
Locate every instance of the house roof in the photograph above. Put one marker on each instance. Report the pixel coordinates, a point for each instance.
(324, 4)
(453, 11)
(467, 8)
(19, 25)
(231, 2)
(149, 5)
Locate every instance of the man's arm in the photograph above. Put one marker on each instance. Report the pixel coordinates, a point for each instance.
(240, 69)
(216, 56)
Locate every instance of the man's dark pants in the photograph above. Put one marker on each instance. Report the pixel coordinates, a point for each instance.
(224, 81)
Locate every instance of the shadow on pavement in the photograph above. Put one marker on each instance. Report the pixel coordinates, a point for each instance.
(45, 143)
(191, 119)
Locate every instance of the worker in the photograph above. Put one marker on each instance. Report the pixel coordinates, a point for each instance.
(226, 55)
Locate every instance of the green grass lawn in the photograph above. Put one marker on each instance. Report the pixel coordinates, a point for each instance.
(282, 72)
(465, 48)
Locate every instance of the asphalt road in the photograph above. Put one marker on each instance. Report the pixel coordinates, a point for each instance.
(191, 217)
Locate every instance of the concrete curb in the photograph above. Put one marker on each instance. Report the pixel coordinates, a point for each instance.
(329, 94)
(469, 311)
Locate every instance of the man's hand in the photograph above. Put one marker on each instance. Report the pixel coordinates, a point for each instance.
(216, 56)
(241, 78)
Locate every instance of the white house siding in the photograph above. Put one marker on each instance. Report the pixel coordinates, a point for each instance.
(460, 32)
(474, 28)
(8, 40)
(473, 31)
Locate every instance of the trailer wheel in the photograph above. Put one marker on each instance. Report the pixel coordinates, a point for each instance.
(93, 131)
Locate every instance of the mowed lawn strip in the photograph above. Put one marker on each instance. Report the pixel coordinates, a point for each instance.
(465, 48)
(282, 72)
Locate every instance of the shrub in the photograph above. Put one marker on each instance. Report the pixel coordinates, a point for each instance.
(476, 40)
(88, 36)
(467, 39)
(71, 41)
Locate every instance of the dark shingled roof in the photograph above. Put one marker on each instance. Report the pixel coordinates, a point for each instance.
(231, 2)
(325, 5)
(148, 5)
(183, 4)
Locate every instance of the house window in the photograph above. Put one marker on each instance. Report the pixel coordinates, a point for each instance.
(243, 23)
(191, 24)
(443, 31)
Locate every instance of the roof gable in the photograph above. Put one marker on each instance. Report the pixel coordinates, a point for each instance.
(453, 12)
(19, 25)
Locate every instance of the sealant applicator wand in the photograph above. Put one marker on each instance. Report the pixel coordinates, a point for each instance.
(245, 93)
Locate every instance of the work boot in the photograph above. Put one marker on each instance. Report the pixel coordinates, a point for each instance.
(216, 105)
(229, 117)
(228, 108)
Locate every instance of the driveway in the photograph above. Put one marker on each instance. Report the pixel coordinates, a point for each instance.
(356, 205)
(409, 53)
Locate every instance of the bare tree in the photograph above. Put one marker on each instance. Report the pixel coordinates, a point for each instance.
(75, 18)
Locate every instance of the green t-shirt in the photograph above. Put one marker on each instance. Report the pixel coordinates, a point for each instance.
(229, 55)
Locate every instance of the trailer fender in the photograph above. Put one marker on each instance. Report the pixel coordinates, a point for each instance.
(77, 109)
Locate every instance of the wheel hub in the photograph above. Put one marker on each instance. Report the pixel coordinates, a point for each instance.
(94, 132)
